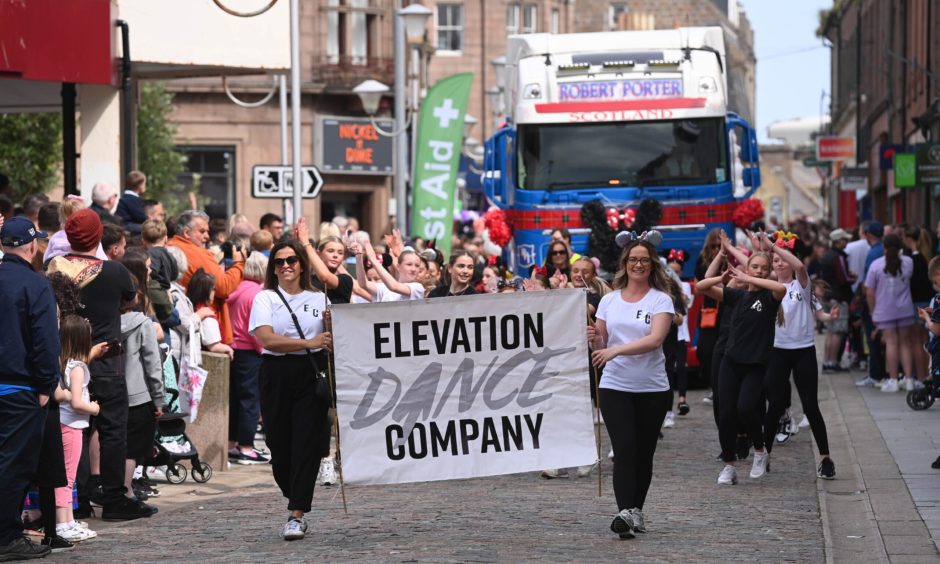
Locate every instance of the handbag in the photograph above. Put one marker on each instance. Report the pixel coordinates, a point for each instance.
(322, 381)
(192, 377)
(708, 318)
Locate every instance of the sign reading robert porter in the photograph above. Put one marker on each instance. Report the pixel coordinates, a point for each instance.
(353, 146)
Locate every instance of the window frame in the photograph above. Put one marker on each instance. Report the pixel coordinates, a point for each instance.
(533, 24)
(450, 27)
(515, 10)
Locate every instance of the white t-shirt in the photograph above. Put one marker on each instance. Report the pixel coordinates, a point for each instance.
(385, 295)
(626, 323)
(799, 329)
(67, 415)
(268, 309)
(684, 328)
(210, 331)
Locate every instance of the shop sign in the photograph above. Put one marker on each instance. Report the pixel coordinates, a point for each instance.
(854, 179)
(829, 148)
(928, 163)
(352, 146)
(905, 170)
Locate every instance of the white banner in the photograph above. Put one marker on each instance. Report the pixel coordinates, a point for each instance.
(463, 387)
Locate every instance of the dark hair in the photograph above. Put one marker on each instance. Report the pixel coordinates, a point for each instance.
(111, 234)
(67, 294)
(270, 277)
(269, 218)
(49, 217)
(6, 205)
(217, 226)
(892, 245)
(565, 234)
(548, 259)
(32, 204)
(75, 337)
(135, 260)
(708, 255)
(445, 275)
(200, 288)
(149, 204)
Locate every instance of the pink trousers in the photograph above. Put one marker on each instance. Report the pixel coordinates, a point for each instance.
(72, 443)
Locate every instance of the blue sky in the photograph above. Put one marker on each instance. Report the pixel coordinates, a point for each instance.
(792, 64)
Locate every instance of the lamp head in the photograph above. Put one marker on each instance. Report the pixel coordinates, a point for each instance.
(416, 20)
(370, 93)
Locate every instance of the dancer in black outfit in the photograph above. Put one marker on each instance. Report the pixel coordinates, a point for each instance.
(756, 310)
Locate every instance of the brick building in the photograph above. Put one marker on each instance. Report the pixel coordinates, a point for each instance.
(886, 92)
(654, 14)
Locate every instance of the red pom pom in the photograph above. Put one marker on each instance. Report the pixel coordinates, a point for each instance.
(747, 213)
(500, 232)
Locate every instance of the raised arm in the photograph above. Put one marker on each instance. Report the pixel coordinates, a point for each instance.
(728, 247)
(302, 234)
(389, 280)
(713, 286)
(799, 269)
(776, 288)
(363, 282)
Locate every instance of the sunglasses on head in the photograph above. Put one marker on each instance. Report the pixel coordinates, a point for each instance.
(291, 260)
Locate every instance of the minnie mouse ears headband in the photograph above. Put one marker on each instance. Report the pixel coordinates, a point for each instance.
(652, 237)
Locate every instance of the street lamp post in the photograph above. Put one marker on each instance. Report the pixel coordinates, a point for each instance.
(410, 24)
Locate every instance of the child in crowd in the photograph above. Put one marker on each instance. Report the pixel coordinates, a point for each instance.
(201, 293)
(262, 242)
(77, 352)
(163, 270)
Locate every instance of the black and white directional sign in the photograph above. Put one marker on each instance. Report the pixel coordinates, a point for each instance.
(277, 181)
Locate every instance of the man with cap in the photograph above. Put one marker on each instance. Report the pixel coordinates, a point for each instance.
(105, 286)
(835, 272)
(874, 233)
(29, 346)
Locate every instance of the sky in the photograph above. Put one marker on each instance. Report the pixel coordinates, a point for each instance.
(792, 63)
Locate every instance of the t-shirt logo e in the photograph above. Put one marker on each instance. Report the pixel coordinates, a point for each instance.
(308, 309)
(646, 317)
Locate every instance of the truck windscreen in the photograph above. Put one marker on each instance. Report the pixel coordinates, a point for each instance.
(654, 153)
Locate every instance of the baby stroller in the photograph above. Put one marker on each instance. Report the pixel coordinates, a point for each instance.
(171, 445)
(919, 400)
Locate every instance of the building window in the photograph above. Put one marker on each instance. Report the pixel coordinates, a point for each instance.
(512, 19)
(349, 39)
(530, 19)
(210, 171)
(614, 12)
(556, 21)
(450, 27)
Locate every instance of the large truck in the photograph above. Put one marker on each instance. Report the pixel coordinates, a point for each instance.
(618, 117)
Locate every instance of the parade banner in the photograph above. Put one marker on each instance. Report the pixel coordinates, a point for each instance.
(437, 157)
(463, 387)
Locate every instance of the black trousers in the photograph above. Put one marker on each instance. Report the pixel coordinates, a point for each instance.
(633, 421)
(675, 368)
(802, 364)
(716, 357)
(295, 423)
(741, 390)
(21, 428)
(244, 397)
(705, 350)
(110, 391)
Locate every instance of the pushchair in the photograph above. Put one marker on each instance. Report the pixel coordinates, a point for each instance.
(171, 445)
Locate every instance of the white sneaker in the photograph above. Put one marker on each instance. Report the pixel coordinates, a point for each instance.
(669, 421)
(761, 464)
(585, 471)
(866, 382)
(793, 427)
(728, 476)
(804, 423)
(327, 473)
(908, 384)
(294, 529)
(890, 385)
(555, 473)
(73, 534)
(918, 385)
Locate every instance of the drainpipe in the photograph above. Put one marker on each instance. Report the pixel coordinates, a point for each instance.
(127, 102)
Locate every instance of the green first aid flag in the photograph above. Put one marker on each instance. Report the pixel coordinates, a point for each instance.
(905, 170)
(437, 158)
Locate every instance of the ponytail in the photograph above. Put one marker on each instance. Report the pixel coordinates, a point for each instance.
(892, 245)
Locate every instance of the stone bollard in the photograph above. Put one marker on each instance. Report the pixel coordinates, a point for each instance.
(209, 433)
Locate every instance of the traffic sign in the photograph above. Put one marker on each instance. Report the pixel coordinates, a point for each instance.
(276, 181)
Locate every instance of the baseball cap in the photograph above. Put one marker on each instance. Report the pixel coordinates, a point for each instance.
(19, 231)
(839, 234)
(876, 229)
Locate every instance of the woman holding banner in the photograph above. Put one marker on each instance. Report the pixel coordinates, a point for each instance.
(632, 323)
(288, 319)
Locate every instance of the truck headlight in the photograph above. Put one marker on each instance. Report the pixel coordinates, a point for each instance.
(532, 91)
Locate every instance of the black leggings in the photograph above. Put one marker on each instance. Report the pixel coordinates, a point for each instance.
(675, 368)
(716, 357)
(742, 392)
(295, 426)
(633, 421)
(802, 363)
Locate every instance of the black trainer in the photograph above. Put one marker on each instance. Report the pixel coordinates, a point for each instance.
(23, 549)
(57, 544)
(936, 464)
(126, 510)
(826, 470)
(97, 496)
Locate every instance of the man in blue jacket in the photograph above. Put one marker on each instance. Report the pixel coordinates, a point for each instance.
(29, 373)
